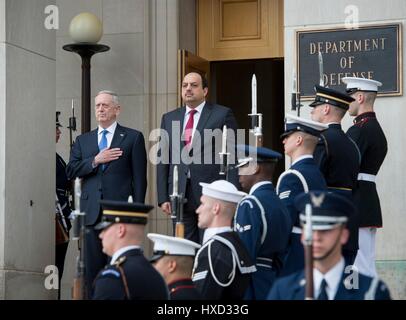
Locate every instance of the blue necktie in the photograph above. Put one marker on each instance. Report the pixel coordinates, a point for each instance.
(103, 144)
(323, 293)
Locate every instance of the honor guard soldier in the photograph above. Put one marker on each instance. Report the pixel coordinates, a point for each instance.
(337, 155)
(223, 267)
(173, 257)
(371, 141)
(63, 209)
(261, 220)
(129, 276)
(299, 140)
(332, 280)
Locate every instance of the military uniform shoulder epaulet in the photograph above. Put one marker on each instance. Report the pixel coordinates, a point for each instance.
(120, 261)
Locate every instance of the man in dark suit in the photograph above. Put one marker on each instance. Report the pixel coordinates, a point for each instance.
(63, 209)
(337, 155)
(129, 275)
(261, 221)
(184, 143)
(173, 258)
(111, 160)
(332, 279)
(299, 139)
(371, 140)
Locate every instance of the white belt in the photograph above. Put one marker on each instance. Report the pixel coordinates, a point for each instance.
(296, 230)
(366, 177)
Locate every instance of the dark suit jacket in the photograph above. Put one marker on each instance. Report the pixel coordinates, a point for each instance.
(171, 145)
(120, 178)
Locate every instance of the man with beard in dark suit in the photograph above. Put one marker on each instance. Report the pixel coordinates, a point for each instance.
(112, 162)
(183, 139)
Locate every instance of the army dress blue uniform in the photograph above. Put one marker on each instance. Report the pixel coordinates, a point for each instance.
(303, 175)
(130, 277)
(292, 287)
(264, 226)
(223, 267)
(339, 158)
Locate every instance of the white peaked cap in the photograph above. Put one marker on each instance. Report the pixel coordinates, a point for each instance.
(361, 84)
(172, 245)
(222, 190)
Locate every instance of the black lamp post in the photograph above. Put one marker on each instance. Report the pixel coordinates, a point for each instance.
(86, 30)
(86, 51)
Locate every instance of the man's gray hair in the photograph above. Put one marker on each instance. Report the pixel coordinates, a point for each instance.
(114, 96)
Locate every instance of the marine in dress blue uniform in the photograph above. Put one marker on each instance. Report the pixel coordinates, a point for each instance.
(223, 266)
(332, 281)
(336, 154)
(371, 141)
(261, 221)
(129, 275)
(299, 139)
(173, 257)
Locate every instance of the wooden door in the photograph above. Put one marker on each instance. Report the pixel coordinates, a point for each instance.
(240, 29)
(188, 62)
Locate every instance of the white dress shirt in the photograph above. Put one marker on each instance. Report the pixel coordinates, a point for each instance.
(332, 277)
(257, 185)
(109, 135)
(119, 252)
(196, 117)
(306, 156)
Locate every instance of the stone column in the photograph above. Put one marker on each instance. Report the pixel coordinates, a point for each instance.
(27, 149)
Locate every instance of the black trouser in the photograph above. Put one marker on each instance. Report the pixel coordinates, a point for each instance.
(60, 254)
(192, 232)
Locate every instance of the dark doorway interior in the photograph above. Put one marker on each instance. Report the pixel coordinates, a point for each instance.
(230, 85)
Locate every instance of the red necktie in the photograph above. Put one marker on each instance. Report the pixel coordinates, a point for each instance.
(189, 128)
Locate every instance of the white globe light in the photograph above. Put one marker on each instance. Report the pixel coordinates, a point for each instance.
(86, 28)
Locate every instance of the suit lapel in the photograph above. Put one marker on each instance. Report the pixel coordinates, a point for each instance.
(181, 116)
(94, 142)
(119, 136)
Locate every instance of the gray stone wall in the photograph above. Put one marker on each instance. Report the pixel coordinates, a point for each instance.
(27, 167)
